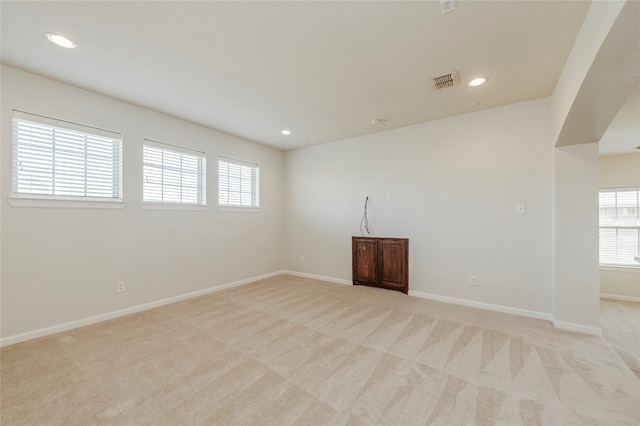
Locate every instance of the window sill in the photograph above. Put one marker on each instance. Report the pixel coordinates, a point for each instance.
(620, 268)
(64, 204)
(174, 207)
(238, 209)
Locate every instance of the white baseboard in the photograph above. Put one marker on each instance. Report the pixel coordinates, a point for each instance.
(617, 297)
(22, 337)
(471, 303)
(29, 335)
(569, 326)
(482, 305)
(578, 328)
(318, 277)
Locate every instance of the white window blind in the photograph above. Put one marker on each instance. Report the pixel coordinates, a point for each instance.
(620, 227)
(55, 159)
(238, 183)
(173, 174)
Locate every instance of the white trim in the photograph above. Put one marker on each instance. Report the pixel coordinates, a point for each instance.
(578, 328)
(29, 335)
(227, 174)
(159, 158)
(23, 337)
(64, 204)
(482, 305)
(171, 147)
(620, 268)
(238, 209)
(318, 277)
(232, 160)
(174, 206)
(619, 189)
(463, 302)
(72, 125)
(617, 297)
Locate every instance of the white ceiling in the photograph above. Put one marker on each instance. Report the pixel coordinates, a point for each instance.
(322, 69)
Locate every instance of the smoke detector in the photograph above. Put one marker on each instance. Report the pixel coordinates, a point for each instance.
(447, 80)
(447, 6)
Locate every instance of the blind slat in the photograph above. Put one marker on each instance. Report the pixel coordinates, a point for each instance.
(620, 227)
(51, 159)
(238, 183)
(173, 174)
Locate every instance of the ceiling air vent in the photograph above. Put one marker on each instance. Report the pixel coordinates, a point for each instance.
(447, 6)
(447, 80)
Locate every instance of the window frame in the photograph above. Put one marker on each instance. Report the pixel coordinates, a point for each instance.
(201, 177)
(601, 226)
(82, 145)
(254, 207)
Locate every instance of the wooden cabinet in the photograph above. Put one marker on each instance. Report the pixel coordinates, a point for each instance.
(381, 262)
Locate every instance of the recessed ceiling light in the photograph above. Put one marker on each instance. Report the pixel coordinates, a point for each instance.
(61, 41)
(477, 81)
(286, 132)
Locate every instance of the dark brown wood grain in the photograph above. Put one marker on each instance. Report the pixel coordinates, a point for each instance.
(381, 262)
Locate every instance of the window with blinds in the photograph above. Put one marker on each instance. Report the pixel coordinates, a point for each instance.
(54, 159)
(173, 174)
(238, 183)
(620, 227)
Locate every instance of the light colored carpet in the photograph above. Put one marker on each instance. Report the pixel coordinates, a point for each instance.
(295, 351)
(620, 322)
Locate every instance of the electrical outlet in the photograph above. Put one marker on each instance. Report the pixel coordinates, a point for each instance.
(120, 287)
(301, 259)
(473, 280)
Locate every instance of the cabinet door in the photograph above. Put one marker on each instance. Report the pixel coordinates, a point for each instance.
(365, 256)
(393, 264)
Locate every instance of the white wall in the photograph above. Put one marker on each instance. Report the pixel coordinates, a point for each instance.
(574, 108)
(454, 185)
(576, 281)
(620, 171)
(61, 265)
